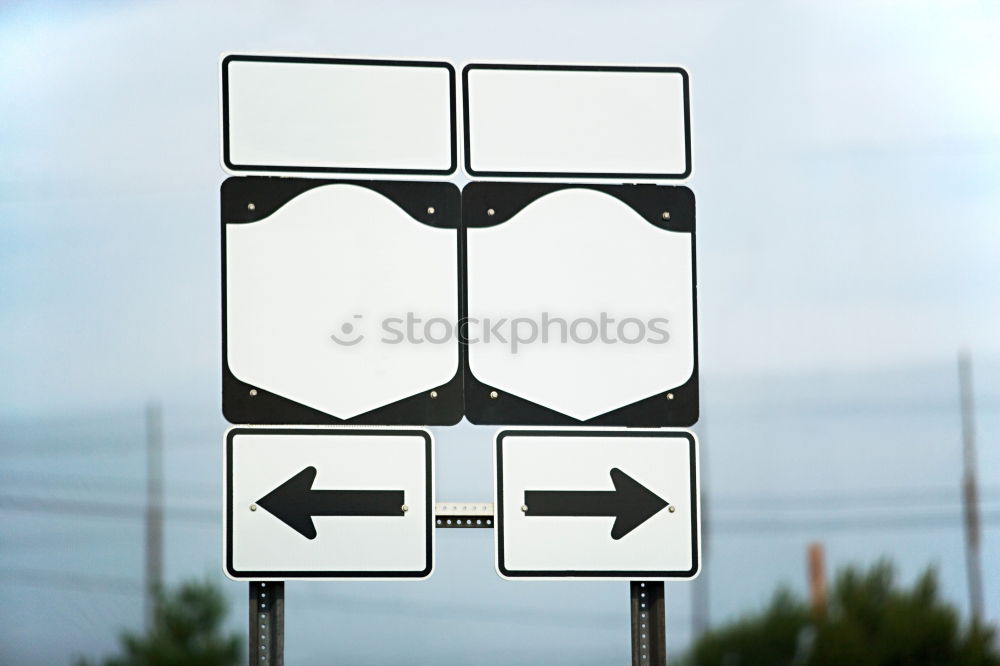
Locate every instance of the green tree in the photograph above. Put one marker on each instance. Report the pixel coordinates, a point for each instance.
(188, 632)
(870, 621)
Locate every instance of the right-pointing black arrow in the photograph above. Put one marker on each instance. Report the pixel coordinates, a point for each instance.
(295, 503)
(631, 503)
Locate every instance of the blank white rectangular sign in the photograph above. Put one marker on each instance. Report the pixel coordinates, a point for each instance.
(637, 493)
(576, 120)
(266, 540)
(338, 115)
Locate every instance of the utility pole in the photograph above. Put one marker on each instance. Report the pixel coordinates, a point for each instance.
(970, 491)
(154, 512)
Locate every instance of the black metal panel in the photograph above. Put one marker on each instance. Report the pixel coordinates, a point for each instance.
(464, 522)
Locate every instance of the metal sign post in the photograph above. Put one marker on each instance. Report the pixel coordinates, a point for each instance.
(647, 605)
(267, 623)
(649, 626)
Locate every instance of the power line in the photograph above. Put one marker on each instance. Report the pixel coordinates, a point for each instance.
(827, 500)
(386, 607)
(762, 521)
(484, 612)
(889, 522)
(834, 499)
(128, 444)
(111, 483)
(88, 448)
(72, 581)
(104, 509)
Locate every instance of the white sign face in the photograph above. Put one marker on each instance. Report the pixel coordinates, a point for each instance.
(576, 120)
(328, 503)
(311, 288)
(596, 302)
(325, 114)
(616, 504)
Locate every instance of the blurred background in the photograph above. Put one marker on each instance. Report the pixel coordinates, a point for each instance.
(847, 170)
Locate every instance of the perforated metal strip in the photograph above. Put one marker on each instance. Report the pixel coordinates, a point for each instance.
(464, 514)
(267, 624)
(649, 629)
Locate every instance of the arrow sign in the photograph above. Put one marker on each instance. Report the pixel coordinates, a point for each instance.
(295, 503)
(630, 503)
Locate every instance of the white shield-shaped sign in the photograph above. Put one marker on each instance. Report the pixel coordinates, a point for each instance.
(340, 299)
(581, 304)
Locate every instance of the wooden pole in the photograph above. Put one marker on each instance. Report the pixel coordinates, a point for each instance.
(817, 579)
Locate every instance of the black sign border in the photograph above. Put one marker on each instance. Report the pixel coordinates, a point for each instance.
(293, 575)
(336, 61)
(263, 407)
(674, 407)
(625, 575)
(575, 174)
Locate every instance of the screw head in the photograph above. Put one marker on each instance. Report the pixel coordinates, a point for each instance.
(670, 396)
(251, 206)
(404, 508)
(671, 508)
(666, 215)
(434, 394)
(524, 508)
(490, 212)
(430, 210)
(494, 395)
(253, 391)
(253, 507)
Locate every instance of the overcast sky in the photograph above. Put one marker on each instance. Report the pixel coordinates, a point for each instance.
(845, 159)
(846, 168)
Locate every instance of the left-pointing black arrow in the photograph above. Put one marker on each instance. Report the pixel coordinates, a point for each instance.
(295, 502)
